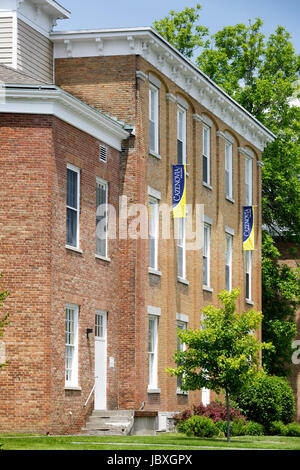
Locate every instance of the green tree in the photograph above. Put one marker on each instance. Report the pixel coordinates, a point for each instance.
(223, 354)
(3, 320)
(281, 290)
(180, 30)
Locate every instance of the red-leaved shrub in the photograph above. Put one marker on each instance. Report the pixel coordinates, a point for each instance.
(215, 410)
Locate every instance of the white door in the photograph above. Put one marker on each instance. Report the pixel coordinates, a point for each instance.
(100, 359)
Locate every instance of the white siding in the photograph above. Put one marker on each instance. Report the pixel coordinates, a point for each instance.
(35, 53)
(6, 41)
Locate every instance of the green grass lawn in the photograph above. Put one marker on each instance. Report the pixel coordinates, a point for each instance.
(166, 441)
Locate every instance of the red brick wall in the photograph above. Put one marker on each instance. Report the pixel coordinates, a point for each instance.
(25, 261)
(42, 275)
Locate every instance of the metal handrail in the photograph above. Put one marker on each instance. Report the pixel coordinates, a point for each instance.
(91, 392)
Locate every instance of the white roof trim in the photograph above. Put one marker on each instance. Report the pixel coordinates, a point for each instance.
(147, 43)
(33, 99)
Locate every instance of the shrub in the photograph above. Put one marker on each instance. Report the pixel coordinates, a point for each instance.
(217, 412)
(277, 428)
(293, 429)
(267, 399)
(200, 426)
(253, 429)
(238, 428)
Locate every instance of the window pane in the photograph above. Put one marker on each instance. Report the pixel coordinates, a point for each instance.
(72, 188)
(205, 169)
(179, 152)
(71, 227)
(152, 135)
(153, 232)
(101, 219)
(205, 271)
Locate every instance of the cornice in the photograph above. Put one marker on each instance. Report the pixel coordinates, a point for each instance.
(152, 47)
(54, 101)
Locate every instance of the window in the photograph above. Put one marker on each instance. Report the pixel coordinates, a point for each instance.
(99, 325)
(152, 352)
(181, 252)
(228, 169)
(181, 135)
(180, 347)
(206, 154)
(228, 262)
(71, 345)
(248, 181)
(153, 119)
(153, 232)
(101, 217)
(248, 274)
(73, 206)
(206, 255)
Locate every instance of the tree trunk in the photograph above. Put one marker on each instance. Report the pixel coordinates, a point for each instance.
(228, 416)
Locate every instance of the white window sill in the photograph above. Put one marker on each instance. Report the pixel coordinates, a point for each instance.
(183, 280)
(230, 199)
(103, 258)
(206, 185)
(72, 387)
(156, 272)
(154, 154)
(73, 248)
(207, 288)
(249, 302)
(181, 392)
(153, 390)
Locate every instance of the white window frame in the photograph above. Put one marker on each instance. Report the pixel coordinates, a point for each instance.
(181, 133)
(152, 353)
(181, 325)
(248, 181)
(206, 151)
(228, 259)
(154, 95)
(153, 229)
(100, 181)
(181, 245)
(248, 274)
(206, 252)
(228, 170)
(73, 346)
(76, 170)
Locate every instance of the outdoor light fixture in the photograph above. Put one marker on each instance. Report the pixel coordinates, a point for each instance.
(89, 332)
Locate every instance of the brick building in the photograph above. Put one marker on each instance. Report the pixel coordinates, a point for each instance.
(90, 117)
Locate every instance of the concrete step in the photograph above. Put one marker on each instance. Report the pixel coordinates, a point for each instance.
(113, 413)
(104, 419)
(109, 423)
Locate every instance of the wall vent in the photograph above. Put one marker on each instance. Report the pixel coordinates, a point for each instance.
(103, 153)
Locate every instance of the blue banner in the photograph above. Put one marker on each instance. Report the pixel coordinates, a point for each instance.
(248, 228)
(179, 191)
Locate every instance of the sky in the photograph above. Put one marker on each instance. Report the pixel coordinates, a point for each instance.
(215, 14)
